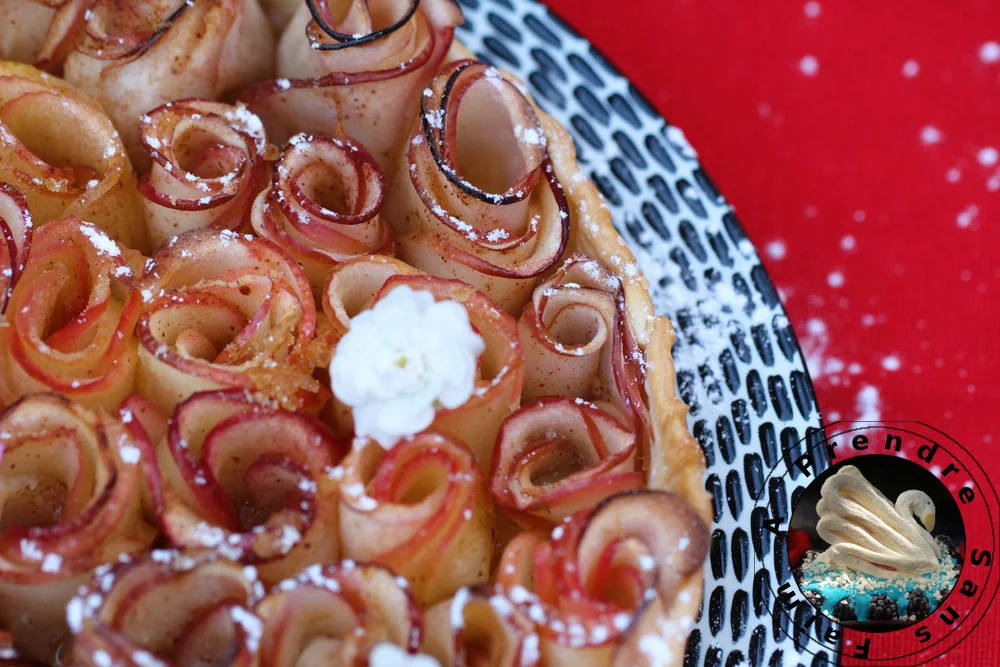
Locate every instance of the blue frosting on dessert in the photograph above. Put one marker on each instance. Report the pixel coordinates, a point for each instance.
(859, 588)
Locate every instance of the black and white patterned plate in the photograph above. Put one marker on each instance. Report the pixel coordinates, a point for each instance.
(738, 363)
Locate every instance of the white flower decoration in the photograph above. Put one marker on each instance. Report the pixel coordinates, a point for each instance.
(403, 359)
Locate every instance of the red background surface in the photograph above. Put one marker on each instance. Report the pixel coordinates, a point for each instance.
(869, 184)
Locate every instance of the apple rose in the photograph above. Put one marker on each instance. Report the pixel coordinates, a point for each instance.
(415, 507)
(558, 456)
(71, 486)
(226, 310)
(167, 608)
(603, 589)
(355, 69)
(72, 319)
(335, 615)
(476, 196)
(208, 165)
(480, 626)
(578, 342)
(64, 156)
(250, 481)
(134, 60)
(16, 230)
(323, 205)
(445, 387)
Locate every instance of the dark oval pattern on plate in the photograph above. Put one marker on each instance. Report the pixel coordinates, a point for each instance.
(739, 366)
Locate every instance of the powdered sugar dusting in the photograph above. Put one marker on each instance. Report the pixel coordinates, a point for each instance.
(101, 241)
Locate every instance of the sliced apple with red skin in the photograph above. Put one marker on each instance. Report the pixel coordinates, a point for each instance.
(492, 633)
(167, 608)
(208, 164)
(359, 73)
(73, 315)
(225, 310)
(335, 614)
(250, 480)
(420, 504)
(603, 571)
(323, 205)
(477, 200)
(15, 240)
(72, 485)
(557, 456)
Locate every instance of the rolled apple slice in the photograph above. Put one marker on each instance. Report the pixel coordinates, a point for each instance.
(162, 50)
(15, 240)
(251, 482)
(558, 456)
(334, 615)
(72, 319)
(501, 366)
(354, 69)
(476, 197)
(352, 285)
(578, 342)
(323, 205)
(480, 626)
(208, 164)
(226, 310)
(419, 505)
(605, 589)
(167, 608)
(70, 499)
(64, 156)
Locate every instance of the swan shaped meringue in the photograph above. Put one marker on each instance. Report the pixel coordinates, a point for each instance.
(867, 533)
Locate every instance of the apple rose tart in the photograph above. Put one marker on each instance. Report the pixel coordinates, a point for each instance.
(480, 626)
(72, 484)
(356, 371)
(60, 151)
(557, 456)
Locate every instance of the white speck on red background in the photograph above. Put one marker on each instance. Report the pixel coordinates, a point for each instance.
(989, 52)
(930, 135)
(809, 65)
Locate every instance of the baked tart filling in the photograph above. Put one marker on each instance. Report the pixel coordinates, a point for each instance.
(317, 348)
